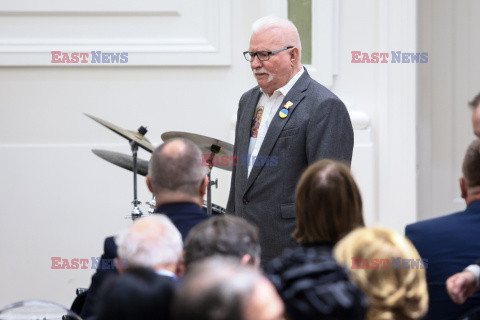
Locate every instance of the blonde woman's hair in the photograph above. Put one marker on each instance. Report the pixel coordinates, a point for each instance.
(397, 291)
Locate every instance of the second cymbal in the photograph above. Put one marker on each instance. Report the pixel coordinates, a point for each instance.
(207, 146)
(123, 160)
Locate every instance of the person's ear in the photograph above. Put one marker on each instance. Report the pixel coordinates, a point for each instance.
(120, 265)
(149, 185)
(246, 259)
(294, 56)
(180, 267)
(463, 187)
(203, 186)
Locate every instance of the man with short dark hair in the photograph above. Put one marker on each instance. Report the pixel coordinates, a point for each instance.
(223, 235)
(284, 124)
(178, 180)
(449, 243)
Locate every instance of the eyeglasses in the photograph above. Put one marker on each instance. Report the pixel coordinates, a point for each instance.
(262, 55)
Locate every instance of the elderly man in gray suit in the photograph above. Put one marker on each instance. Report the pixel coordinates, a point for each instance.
(284, 124)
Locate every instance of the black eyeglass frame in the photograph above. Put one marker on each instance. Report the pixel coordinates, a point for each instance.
(254, 54)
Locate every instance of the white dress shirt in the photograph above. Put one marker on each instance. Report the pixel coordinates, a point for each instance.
(270, 104)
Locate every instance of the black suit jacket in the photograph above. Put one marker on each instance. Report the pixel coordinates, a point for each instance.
(318, 126)
(183, 215)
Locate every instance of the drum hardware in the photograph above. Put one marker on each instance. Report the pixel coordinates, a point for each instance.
(215, 148)
(216, 209)
(136, 212)
(135, 139)
(152, 204)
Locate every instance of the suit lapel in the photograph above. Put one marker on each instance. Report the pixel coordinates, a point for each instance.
(295, 95)
(244, 129)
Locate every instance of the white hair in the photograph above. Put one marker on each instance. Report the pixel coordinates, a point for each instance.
(272, 21)
(150, 242)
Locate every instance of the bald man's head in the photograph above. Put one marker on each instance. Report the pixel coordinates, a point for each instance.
(176, 166)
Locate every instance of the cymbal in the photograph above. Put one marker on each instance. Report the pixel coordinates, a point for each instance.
(123, 160)
(206, 144)
(127, 134)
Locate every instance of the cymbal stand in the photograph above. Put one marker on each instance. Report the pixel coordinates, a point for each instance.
(136, 212)
(152, 205)
(215, 149)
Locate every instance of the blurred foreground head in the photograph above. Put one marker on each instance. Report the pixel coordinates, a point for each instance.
(219, 288)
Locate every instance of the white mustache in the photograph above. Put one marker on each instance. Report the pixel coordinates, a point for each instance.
(262, 70)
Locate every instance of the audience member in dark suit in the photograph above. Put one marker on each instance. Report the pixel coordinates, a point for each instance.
(220, 288)
(450, 243)
(462, 285)
(178, 180)
(328, 205)
(386, 267)
(226, 236)
(138, 294)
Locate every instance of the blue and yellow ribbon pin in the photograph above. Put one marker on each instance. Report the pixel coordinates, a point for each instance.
(284, 112)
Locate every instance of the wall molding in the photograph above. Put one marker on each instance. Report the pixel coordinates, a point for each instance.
(164, 33)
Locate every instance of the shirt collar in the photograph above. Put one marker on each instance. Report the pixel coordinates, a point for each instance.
(166, 273)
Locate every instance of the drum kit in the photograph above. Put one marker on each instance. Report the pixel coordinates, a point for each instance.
(213, 147)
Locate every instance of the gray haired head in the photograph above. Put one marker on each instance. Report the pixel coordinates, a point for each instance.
(150, 242)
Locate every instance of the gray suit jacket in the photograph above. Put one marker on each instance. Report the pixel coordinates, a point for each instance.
(318, 126)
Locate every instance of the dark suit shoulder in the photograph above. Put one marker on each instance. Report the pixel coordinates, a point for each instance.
(321, 91)
(434, 223)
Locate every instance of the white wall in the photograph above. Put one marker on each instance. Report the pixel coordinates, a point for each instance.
(449, 33)
(61, 200)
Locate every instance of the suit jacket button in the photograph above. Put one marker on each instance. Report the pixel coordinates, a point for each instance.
(245, 201)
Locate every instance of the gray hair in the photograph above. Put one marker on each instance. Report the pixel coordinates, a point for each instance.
(149, 242)
(216, 288)
(272, 21)
(179, 170)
